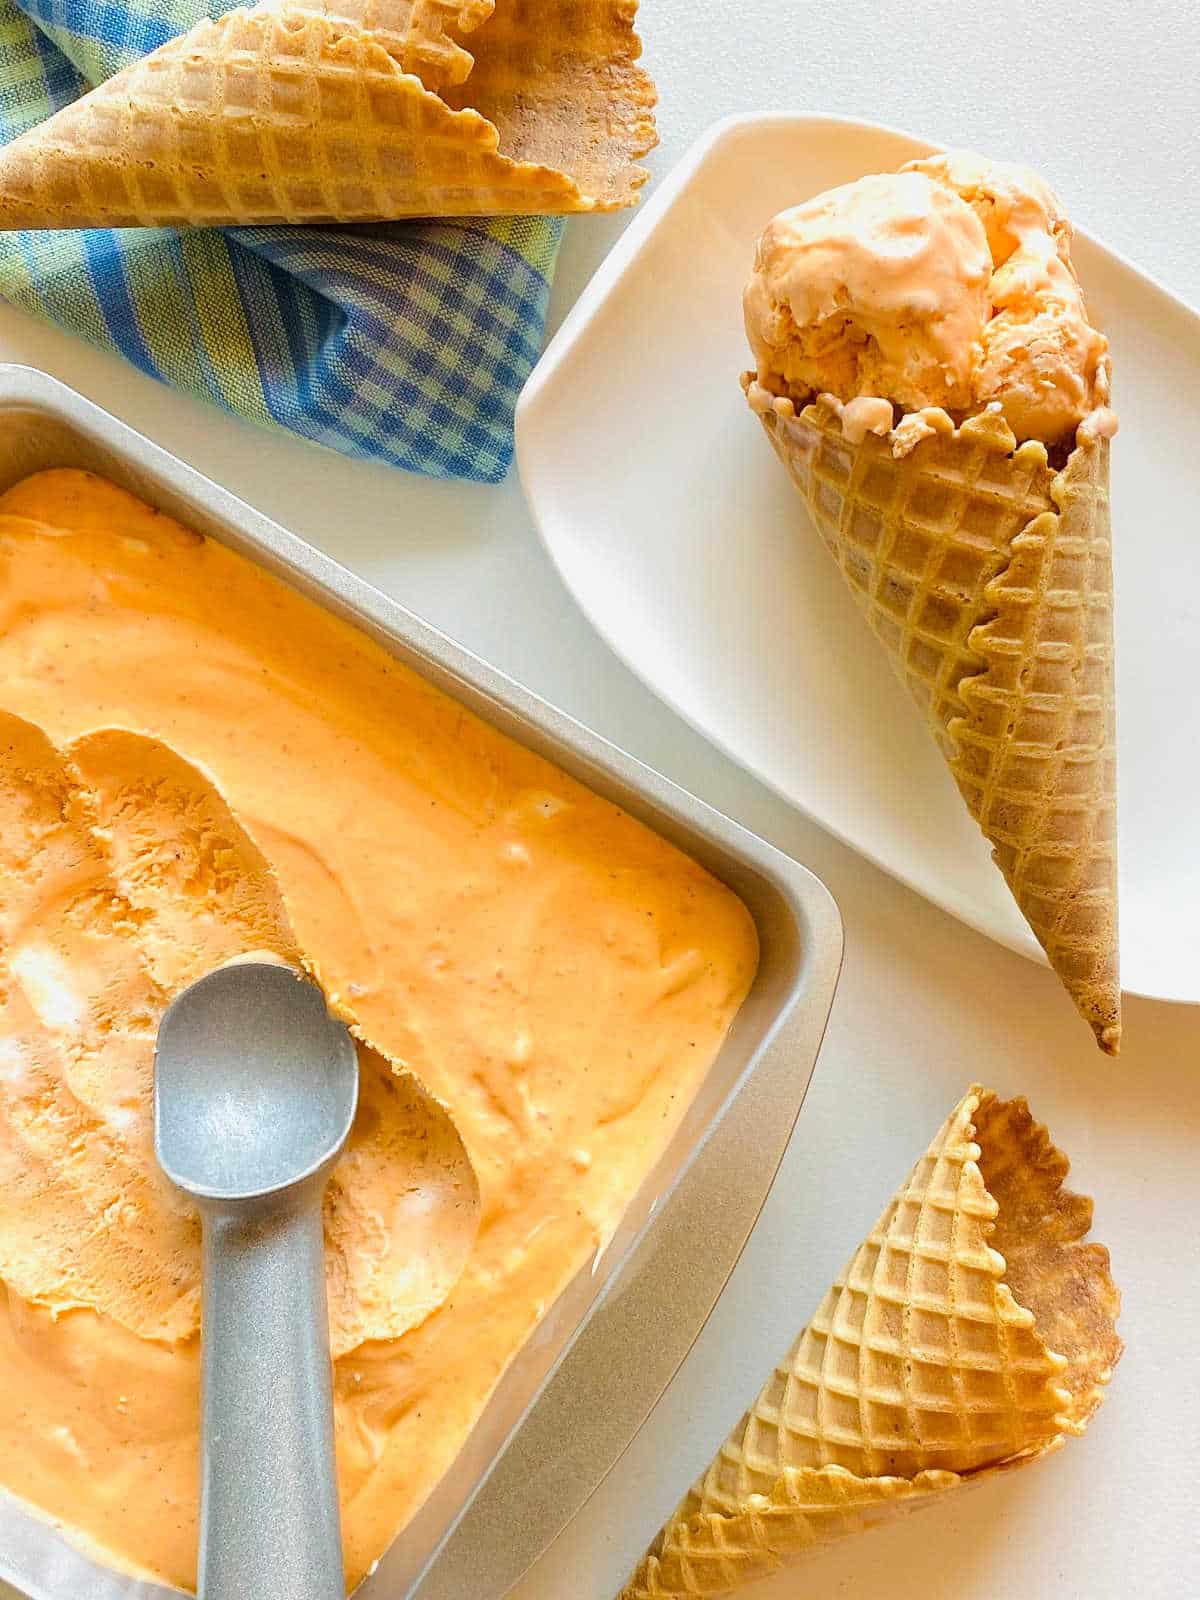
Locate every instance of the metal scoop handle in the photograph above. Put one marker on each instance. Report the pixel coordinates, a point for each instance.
(269, 1522)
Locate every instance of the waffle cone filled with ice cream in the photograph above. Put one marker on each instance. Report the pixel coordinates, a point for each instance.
(927, 374)
(970, 1333)
(351, 111)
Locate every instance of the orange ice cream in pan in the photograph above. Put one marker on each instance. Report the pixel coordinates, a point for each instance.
(199, 761)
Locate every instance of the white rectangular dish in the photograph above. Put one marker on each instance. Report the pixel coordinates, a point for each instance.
(682, 540)
(719, 1163)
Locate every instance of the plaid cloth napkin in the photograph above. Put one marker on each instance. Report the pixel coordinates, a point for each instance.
(402, 342)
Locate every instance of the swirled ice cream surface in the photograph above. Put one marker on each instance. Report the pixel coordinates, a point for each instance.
(199, 762)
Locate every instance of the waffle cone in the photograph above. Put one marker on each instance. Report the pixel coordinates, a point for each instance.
(426, 38)
(970, 1333)
(350, 111)
(987, 576)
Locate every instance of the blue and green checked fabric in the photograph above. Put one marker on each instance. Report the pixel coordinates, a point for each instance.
(403, 342)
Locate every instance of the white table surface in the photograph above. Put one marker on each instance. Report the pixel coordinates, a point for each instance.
(1103, 99)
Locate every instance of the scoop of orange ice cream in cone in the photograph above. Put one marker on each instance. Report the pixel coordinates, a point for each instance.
(876, 288)
(926, 371)
(946, 284)
(971, 1332)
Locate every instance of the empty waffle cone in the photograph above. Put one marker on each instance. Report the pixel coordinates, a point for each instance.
(970, 1333)
(350, 111)
(987, 576)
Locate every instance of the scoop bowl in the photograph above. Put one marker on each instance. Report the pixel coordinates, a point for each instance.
(255, 1091)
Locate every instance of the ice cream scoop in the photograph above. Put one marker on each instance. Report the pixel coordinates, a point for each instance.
(948, 284)
(255, 1090)
(878, 288)
(1040, 352)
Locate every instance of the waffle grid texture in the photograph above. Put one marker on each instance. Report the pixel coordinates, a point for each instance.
(310, 112)
(987, 577)
(423, 36)
(921, 1369)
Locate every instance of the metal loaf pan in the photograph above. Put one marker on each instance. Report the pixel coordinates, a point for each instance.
(578, 1391)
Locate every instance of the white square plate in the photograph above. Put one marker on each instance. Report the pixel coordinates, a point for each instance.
(684, 543)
